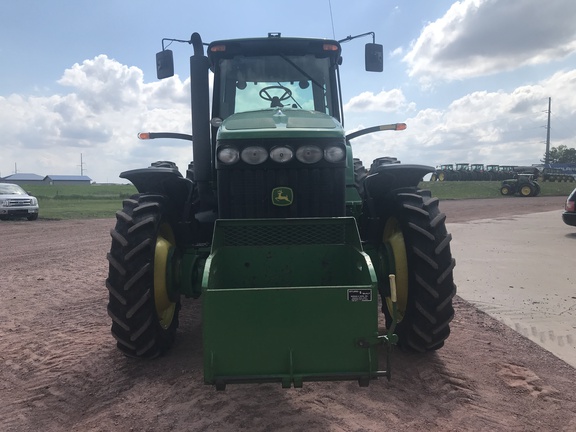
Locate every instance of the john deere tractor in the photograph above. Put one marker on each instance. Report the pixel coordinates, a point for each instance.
(289, 242)
(522, 184)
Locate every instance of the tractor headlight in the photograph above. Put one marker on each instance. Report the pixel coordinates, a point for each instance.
(228, 155)
(281, 154)
(254, 155)
(334, 154)
(309, 154)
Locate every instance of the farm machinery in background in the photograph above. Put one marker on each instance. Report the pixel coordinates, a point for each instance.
(477, 172)
(285, 237)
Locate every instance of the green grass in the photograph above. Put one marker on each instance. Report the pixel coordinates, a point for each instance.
(102, 201)
(80, 201)
(489, 189)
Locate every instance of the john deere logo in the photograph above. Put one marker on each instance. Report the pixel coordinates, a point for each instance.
(282, 196)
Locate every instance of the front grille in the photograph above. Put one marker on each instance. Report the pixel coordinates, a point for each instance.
(247, 193)
(18, 202)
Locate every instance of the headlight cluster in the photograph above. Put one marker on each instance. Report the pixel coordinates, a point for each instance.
(255, 155)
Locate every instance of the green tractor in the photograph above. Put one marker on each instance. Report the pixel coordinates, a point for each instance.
(444, 173)
(289, 242)
(522, 184)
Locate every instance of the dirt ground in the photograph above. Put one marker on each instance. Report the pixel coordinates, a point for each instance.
(60, 370)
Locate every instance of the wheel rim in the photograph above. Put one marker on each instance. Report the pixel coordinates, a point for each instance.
(441, 176)
(165, 245)
(526, 190)
(395, 249)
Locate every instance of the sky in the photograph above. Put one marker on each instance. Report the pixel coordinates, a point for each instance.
(471, 79)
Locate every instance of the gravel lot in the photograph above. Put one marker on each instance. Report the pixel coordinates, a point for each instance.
(60, 370)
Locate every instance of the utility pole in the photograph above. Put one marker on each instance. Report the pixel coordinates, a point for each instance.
(81, 165)
(547, 156)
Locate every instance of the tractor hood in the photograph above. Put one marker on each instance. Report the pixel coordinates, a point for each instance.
(280, 123)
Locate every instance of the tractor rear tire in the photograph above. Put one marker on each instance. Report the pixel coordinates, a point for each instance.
(415, 237)
(360, 174)
(144, 318)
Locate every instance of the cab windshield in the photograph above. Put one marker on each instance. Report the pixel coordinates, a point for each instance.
(248, 83)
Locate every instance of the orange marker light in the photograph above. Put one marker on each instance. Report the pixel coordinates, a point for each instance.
(218, 48)
(144, 135)
(401, 126)
(330, 47)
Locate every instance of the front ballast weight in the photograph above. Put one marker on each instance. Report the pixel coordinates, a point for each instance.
(294, 318)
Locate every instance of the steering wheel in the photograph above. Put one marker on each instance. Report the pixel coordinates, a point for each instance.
(267, 97)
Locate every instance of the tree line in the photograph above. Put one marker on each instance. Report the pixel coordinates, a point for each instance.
(561, 154)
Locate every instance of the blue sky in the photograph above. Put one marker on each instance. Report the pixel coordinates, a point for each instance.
(470, 78)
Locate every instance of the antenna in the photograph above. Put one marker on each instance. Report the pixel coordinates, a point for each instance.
(331, 18)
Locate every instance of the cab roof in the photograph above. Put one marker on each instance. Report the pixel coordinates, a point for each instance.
(274, 45)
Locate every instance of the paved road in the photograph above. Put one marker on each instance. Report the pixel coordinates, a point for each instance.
(520, 270)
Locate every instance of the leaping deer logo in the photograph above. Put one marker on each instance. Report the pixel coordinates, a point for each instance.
(282, 196)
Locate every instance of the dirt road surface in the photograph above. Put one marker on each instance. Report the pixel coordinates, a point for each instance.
(60, 370)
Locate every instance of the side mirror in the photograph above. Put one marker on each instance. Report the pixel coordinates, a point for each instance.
(374, 57)
(164, 64)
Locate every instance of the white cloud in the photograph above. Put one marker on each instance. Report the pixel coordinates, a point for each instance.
(505, 128)
(482, 37)
(385, 101)
(107, 105)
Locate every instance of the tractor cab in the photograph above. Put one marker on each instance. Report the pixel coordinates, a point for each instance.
(274, 72)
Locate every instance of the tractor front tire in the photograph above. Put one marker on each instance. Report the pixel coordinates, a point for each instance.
(415, 240)
(506, 190)
(527, 190)
(144, 317)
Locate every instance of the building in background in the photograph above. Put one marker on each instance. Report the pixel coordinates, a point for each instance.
(67, 180)
(23, 179)
(35, 179)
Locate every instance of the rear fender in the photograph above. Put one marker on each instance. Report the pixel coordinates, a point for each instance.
(163, 180)
(390, 177)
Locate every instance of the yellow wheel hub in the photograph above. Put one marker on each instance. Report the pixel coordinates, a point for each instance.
(165, 243)
(393, 239)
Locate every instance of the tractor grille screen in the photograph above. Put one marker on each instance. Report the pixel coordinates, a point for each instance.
(294, 192)
(272, 235)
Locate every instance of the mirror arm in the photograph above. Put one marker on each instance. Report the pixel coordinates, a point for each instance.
(349, 38)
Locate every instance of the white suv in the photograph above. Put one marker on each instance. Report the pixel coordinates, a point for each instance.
(15, 202)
